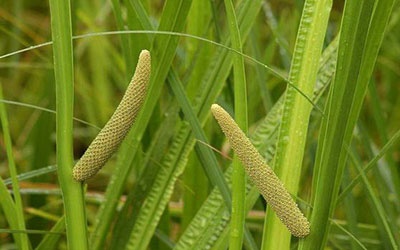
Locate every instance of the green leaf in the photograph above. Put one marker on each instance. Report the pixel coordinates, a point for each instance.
(362, 31)
(293, 129)
(13, 209)
(240, 100)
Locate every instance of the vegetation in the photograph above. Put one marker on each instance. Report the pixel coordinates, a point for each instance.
(312, 83)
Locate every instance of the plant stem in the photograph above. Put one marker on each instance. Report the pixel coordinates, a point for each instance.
(63, 69)
(238, 176)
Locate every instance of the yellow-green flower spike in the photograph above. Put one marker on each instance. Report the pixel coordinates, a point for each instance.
(113, 133)
(269, 185)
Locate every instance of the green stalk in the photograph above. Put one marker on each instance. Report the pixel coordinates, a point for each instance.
(296, 112)
(63, 69)
(23, 241)
(238, 175)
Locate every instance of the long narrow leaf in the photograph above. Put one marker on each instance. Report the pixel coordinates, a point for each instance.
(296, 112)
(13, 209)
(240, 100)
(50, 241)
(361, 35)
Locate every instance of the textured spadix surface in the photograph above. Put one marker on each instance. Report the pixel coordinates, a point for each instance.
(115, 130)
(269, 185)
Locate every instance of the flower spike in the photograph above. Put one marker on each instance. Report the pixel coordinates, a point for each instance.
(269, 185)
(113, 133)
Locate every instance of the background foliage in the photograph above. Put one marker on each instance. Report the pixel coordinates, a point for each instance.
(159, 190)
